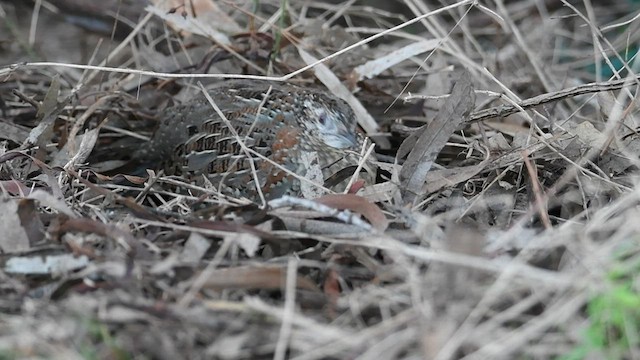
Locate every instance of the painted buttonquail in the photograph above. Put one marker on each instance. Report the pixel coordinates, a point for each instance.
(304, 130)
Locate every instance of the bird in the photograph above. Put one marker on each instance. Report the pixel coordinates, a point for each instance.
(270, 136)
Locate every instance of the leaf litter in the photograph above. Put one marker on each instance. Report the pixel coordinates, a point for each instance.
(505, 195)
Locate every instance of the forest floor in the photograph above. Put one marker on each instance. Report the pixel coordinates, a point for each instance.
(501, 222)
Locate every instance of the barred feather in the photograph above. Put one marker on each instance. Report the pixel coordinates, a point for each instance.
(193, 140)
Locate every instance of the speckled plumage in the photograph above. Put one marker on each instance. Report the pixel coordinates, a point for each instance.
(293, 123)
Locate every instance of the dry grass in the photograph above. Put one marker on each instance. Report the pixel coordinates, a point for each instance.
(506, 139)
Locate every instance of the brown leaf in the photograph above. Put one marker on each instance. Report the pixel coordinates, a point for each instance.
(137, 180)
(357, 204)
(30, 221)
(331, 288)
(357, 185)
(15, 187)
(257, 277)
(426, 143)
(331, 285)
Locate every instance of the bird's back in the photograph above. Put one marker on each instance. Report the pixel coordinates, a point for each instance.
(192, 140)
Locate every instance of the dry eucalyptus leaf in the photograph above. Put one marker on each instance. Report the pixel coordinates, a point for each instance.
(42, 133)
(375, 67)
(47, 199)
(380, 192)
(68, 160)
(254, 277)
(359, 205)
(14, 187)
(426, 143)
(30, 220)
(440, 179)
(498, 142)
(320, 227)
(14, 236)
(44, 265)
(50, 99)
(589, 135)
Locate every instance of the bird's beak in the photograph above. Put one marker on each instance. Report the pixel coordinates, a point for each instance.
(343, 141)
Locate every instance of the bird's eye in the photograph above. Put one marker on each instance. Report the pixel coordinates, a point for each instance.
(322, 119)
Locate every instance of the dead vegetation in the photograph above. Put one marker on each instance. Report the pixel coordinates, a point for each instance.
(501, 223)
